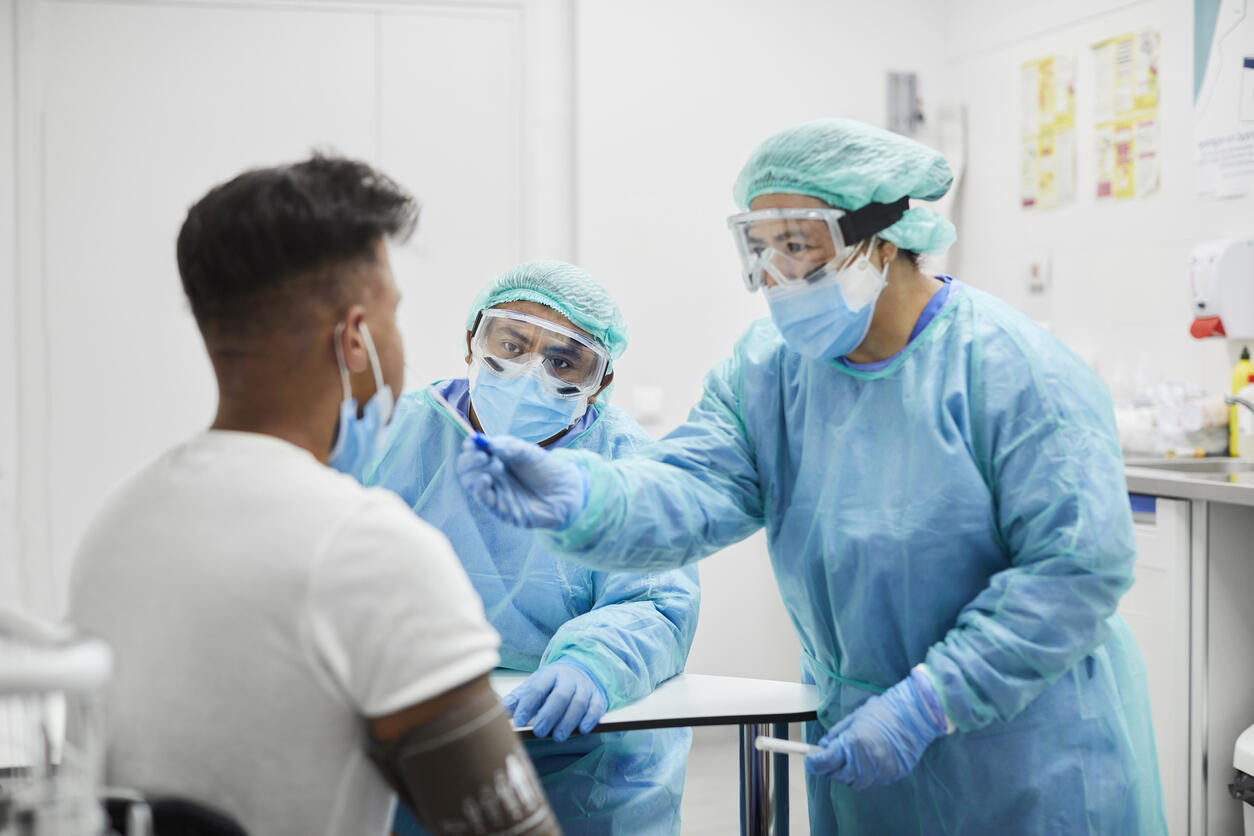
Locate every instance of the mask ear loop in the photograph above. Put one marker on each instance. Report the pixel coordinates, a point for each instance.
(853, 256)
(339, 358)
(375, 366)
(875, 239)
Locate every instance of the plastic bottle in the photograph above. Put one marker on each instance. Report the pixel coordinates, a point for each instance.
(1240, 379)
(1245, 420)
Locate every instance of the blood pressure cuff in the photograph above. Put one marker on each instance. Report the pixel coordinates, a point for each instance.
(467, 772)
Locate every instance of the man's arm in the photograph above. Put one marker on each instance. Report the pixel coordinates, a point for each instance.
(398, 630)
(637, 633)
(459, 766)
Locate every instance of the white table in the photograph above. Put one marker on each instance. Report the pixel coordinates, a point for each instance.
(755, 705)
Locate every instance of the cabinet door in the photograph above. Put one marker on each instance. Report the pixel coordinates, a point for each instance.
(1157, 610)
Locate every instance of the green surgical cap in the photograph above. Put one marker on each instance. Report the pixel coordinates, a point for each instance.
(848, 164)
(564, 288)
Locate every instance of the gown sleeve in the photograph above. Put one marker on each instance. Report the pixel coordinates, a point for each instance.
(1049, 451)
(676, 501)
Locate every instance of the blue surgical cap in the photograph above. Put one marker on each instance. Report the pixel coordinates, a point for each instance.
(564, 288)
(848, 164)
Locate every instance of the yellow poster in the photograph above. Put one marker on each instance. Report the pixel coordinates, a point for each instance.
(1128, 160)
(1048, 161)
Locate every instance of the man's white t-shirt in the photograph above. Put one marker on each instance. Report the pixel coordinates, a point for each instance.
(259, 605)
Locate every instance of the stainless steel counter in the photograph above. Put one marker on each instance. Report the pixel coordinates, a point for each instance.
(1228, 488)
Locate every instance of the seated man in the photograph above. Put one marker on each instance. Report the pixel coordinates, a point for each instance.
(540, 341)
(276, 625)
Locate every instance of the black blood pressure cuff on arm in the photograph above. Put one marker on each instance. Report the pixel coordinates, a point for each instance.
(467, 772)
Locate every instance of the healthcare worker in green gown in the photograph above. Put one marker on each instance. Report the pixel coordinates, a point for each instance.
(541, 339)
(943, 495)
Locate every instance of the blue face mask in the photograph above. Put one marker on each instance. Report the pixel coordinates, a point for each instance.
(357, 440)
(815, 319)
(520, 406)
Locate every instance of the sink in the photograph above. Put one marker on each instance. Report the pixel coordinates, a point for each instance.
(1217, 464)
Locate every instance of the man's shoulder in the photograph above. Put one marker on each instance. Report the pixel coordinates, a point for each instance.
(380, 527)
(240, 488)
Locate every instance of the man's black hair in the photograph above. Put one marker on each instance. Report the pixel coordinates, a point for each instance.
(276, 237)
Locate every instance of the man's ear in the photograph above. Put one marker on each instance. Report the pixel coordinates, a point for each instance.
(887, 252)
(469, 353)
(352, 344)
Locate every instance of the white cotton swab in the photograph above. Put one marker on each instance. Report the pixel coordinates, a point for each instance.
(786, 747)
(480, 441)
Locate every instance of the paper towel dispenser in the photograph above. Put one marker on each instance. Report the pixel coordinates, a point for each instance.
(1221, 288)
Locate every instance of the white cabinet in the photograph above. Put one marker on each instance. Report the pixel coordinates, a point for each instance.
(1223, 675)
(1157, 610)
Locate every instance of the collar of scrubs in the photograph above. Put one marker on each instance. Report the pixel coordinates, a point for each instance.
(939, 299)
(457, 393)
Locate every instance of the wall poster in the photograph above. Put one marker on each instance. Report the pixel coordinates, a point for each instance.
(1128, 154)
(1048, 132)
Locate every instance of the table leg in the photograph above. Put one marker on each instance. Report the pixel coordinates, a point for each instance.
(755, 783)
(780, 790)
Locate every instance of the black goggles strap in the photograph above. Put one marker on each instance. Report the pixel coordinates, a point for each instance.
(870, 219)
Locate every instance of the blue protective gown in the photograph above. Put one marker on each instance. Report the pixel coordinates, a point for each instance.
(631, 631)
(963, 505)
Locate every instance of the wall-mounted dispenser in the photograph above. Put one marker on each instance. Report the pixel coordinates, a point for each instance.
(1221, 288)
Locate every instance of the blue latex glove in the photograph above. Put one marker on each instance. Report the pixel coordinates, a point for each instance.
(521, 483)
(559, 698)
(883, 739)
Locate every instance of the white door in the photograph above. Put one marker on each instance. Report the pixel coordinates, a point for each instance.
(129, 112)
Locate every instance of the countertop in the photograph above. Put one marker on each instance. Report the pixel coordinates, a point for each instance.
(1230, 488)
(690, 699)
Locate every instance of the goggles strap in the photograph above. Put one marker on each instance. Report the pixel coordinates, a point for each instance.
(870, 219)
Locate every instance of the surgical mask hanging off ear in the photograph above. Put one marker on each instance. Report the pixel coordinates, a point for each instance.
(358, 440)
(829, 317)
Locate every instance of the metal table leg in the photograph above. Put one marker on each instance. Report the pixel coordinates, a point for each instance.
(780, 790)
(755, 783)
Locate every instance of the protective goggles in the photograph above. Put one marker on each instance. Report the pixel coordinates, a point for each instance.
(799, 246)
(510, 344)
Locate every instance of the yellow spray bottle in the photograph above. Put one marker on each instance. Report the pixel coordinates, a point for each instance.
(1240, 379)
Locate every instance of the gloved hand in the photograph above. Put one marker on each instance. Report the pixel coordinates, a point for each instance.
(559, 697)
(521, 483)
(883, 739)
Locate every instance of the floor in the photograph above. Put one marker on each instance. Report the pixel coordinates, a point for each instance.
(712, 791)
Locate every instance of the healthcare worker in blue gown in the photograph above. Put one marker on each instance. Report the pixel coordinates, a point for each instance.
(541, 339)
(944, 501)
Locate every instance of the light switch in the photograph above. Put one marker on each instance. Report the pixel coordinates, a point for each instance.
(1038, 287)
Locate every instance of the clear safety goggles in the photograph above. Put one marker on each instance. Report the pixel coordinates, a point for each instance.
(790, 247)
(509, 344)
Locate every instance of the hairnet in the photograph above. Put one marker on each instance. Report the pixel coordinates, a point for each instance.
(564, 288)
(848, 164)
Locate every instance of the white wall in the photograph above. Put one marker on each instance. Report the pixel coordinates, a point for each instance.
(1120, 295)
(11, 583)
(670, 99)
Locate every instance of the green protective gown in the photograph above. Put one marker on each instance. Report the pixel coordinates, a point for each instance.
(963, 506)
